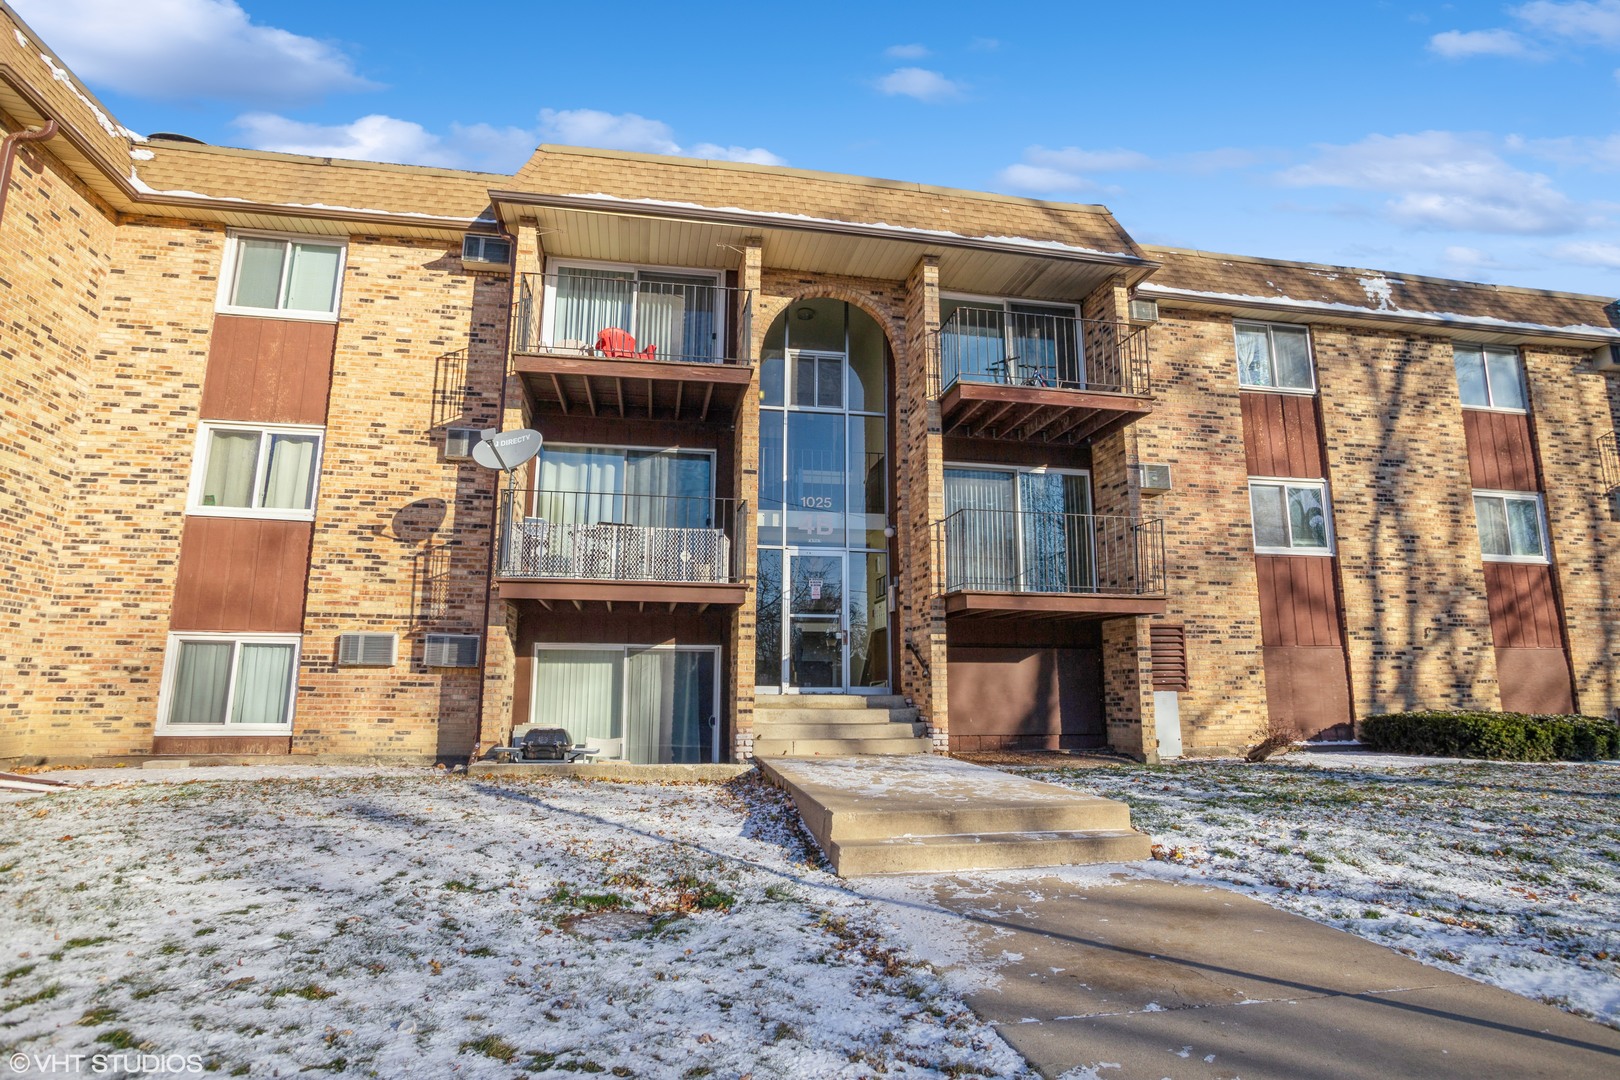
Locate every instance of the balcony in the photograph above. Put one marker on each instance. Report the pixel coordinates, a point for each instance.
(576, 548)
(632, 344)
(1009, 563)
(1038, 377)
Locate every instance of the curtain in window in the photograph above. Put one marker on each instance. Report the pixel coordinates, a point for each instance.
(312, 280)
(258, 273)
(1493, 525)
(1270, 521)
(289, 476)
(1042, 341)
(582, 690)
(1057, 533)
(1307, 517)
(668, 489)
(1254, 356)
(263, 684)
(692, 701)
(581, 486)
(202, 683)
(973, 345)
(981, 530)
(676, 312)
(233, 458)
(649, 706)
(590, 301)
(1524, 526)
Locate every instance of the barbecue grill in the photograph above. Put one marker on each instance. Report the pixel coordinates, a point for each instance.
(544, 744)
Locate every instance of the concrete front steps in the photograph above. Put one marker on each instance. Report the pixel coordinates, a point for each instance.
(836, 725)
(928, 814)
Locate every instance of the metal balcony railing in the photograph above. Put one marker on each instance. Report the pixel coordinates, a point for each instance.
(639, 315)
(611, 536)
(1015, 551)
(1013, 348)
(1609, 454)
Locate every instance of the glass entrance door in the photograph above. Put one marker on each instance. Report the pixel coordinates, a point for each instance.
(816, 636)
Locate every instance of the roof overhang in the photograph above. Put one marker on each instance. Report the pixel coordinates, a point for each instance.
(1439, 324)
(679, 234)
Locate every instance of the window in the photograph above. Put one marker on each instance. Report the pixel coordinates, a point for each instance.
(1489, 377)
(494, 250)
(669, 488)
(667, 314)
(1272, 357)
(1019, 530)
(1511, 526)
(235, 684)
(1010, 342)
(1290, 517)
(650, 704)
(256, 471)
(291, 276)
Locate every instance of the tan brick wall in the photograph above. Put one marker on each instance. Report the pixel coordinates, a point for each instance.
(742, 653)
(55, 247)
(1572, 406)
(1418, 631)
(920, 503)
(408, 314)
(1196, 428)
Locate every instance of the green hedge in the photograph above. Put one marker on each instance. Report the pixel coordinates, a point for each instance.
(1500, 736)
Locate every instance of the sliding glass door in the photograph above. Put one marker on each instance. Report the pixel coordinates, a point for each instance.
(1018, 530)
(644, 704)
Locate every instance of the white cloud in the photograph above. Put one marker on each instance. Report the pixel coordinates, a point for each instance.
(630, 131)
(919, 83)
(477, 146)
(1586, 152)
(189, 49)
(1470, 259)
(1584, 21)
(1069, 168)
(906, 52)
(1074, 159)
(1042, 179)
(1590, 253)
(1460, 44)
(1439, 179)
(985, 44)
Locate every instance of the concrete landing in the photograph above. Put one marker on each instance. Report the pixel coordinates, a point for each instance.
(1144, 980)
(836, 725)
(924, 814)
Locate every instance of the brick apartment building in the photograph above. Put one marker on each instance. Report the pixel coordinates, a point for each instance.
(802, 433)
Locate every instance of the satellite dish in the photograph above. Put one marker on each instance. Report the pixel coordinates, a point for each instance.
(506, 450)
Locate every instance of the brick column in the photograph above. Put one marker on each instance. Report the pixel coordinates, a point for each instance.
(920, 502)
(742, 641)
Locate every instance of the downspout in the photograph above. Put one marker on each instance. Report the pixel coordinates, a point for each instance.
(8, 153)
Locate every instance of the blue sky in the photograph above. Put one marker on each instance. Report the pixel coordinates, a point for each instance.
(1472, 140)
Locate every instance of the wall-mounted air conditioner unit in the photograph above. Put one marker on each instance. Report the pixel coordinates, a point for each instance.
(1607, 359)
(1153, 479)
(459, 443)
(1144, 311)
(367, 650)
(482, 251)
(450, 650)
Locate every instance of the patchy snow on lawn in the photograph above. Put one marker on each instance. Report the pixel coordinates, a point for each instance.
(399, 923)
(1508, 873)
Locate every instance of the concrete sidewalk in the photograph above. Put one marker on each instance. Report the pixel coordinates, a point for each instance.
(1144, 979)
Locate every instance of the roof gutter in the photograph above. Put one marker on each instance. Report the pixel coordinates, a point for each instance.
(1584, 335)
(754, 220)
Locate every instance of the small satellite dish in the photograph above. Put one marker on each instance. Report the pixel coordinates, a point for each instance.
(506, 450)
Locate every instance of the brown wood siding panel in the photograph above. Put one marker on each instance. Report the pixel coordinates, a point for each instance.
(1020, 697)
(1534, 680)
(1501, 456)
(1308, 692)
(268, 371)
(1298, 603)
(241, 575)
(1281, 436)
(1524, 611)
(221, 744)
(1011, 452)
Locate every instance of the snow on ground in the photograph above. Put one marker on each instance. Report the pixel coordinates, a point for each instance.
(398, 923)
(1508, 873)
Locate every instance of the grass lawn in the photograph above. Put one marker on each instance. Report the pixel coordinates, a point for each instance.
(400, 923)
(1508, 873)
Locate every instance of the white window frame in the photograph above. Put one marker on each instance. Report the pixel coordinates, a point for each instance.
(171, 667)
(1286, 482)
(554, 266)
(1545, 557)
(624, 677)
(199, 470)
(1490, 391)
(1271, 353)
(228, 269)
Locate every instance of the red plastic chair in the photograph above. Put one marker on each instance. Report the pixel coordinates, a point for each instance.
(619, 345)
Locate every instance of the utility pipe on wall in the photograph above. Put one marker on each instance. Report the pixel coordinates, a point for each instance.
(8, 153)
